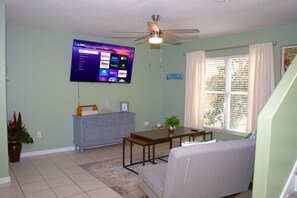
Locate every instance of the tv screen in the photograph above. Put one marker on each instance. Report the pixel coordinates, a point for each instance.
(100, 62)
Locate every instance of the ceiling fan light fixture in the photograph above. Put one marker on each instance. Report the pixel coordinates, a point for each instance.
(155, 40)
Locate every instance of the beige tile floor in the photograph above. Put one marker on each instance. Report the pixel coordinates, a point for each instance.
(59, 175)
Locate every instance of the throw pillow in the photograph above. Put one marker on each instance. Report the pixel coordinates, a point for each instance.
(251, 135)
(196, 142)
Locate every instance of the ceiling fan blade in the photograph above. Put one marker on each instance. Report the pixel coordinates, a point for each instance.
(171, 39)
(153, 27)
(124, 37)
(129, 32)
(138, 43)
(142, 38)
(187, 36)
(182, 31)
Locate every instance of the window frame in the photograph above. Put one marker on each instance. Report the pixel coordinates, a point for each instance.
(228, 93)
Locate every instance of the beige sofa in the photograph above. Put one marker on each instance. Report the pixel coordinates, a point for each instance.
(206, 170)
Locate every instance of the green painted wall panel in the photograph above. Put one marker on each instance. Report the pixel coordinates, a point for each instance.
(277, 138)
(3, 111)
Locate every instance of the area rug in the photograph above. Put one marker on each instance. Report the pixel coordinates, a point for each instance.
(112, 173)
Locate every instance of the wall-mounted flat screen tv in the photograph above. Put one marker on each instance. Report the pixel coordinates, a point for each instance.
(100, 62)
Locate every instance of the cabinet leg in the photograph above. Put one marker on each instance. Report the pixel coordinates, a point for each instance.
(81, 149)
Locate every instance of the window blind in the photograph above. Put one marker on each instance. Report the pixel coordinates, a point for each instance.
(226, 87)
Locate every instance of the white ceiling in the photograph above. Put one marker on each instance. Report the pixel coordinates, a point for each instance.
(103, 17)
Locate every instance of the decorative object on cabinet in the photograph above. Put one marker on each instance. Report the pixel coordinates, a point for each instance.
(102, 129)
(106, 108)
(288, 53)
(124, 106)
(86, 110)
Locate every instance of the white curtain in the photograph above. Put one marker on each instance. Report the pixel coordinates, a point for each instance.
(194, 96)
(261, 81)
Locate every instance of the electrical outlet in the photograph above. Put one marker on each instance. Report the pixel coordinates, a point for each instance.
(39, 135)
(146, 123)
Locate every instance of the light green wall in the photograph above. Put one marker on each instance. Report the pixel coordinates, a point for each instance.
(3, 123)
(39, 87)
(175, 60)
(276, 151)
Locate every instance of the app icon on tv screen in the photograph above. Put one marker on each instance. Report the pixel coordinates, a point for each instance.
(103, 72)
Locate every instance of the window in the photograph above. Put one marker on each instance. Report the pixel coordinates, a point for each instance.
(226, 87)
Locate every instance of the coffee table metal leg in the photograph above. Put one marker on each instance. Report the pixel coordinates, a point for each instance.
(153, 153)
(130, 152)
(149, 153)
(124, 152)
(143, 157)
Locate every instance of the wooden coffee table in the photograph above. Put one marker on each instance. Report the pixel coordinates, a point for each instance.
(162, 136)
(154, 137)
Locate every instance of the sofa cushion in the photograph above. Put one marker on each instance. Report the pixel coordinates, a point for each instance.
(154, 177)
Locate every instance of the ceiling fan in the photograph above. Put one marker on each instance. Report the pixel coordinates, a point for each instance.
(155, 35)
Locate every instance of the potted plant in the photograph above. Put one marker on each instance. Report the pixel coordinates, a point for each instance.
(17, 134)
(171, 123)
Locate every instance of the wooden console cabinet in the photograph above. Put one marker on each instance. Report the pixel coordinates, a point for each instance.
(102, 129)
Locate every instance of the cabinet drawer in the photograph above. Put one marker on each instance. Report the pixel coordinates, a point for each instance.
(92, 122)
(126, 120)
(125, 130)
(109, 132)
(108, 120)
(91, 134)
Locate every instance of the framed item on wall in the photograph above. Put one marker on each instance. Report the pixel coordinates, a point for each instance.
(124, 106)
(288, 53)
(175, 76)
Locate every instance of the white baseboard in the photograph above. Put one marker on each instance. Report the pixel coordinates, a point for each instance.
(4, 180)
(49, 151)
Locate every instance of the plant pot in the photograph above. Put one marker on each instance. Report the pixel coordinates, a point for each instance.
(14, 151)
(171, 129)
(170, 134)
